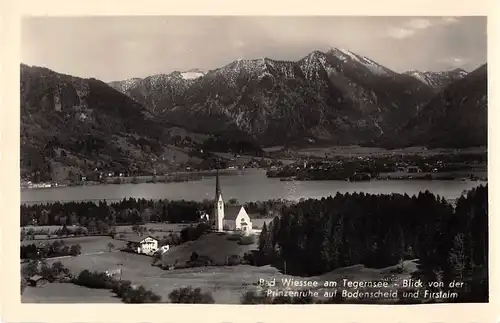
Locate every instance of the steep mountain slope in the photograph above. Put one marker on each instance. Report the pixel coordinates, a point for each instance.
(74, 124)
(456, 117)
(438, 80)
(337, 97)
(161, 92)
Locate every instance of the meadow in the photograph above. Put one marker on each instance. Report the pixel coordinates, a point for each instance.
(226, 283)
(68, 294)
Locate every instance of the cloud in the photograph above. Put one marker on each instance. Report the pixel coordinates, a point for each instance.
(400, 33)
(239, 44)
(410, 27)
(449, 20)
(454, 61)
(419, 23)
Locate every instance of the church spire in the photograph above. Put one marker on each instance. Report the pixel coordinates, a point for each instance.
(218, 205)
(217, 186)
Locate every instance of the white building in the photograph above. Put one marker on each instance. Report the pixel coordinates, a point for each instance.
(145, 245)
(235, 219)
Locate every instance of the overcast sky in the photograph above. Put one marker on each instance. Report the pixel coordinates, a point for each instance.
(117, 48)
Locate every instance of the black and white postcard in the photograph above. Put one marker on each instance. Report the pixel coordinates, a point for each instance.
(261, 160)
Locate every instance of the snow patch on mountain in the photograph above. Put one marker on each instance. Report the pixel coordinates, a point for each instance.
(437, 80)
(125, 85)
(348, 56)
(191, 75)
(258, 68)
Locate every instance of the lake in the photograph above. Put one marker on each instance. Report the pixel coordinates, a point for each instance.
(244, 185)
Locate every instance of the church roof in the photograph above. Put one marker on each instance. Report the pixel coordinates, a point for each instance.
(231, 212)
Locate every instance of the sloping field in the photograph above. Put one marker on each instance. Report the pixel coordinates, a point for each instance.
(133, 265)
(214, 245)
(228, 284)
(67, 293)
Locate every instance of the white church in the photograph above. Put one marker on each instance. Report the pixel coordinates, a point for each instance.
(230, 218)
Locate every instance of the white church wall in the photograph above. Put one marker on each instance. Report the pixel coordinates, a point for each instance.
(243, 217)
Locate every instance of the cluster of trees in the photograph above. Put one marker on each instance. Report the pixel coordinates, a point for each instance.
(64, 231)
(98, 218)
(52, 273)
(139, 294)
(188, 295)
(57, 248)
(317, 236)
(192, 233)
(56, 272)
(123, 289)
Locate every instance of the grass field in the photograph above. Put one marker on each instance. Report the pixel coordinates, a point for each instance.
(214, 245)
(227, 284)
(134, 265)
(67, 293)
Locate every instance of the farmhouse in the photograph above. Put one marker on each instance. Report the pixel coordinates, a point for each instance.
(233, 218)
(145, 245)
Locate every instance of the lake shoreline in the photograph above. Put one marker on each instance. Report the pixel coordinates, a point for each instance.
(129, 180)
(244, 185)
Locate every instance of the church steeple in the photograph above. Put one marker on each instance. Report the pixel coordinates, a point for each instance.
(217, 186)
(218, 205)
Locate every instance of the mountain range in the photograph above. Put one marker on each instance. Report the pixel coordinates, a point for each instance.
(335, 97)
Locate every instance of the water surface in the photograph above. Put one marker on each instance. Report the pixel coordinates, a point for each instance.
(245, 185)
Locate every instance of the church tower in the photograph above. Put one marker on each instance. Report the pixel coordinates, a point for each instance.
(218, 205)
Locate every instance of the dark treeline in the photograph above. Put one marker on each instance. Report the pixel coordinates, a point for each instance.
(317, 236)
(98, 217)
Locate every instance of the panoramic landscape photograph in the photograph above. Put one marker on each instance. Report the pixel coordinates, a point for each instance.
(254, 160)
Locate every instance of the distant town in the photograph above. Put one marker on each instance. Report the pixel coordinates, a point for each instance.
(283, 164)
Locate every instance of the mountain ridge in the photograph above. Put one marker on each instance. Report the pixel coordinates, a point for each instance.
(457, 117)
(248, 93)
(438, 80)
(71, 125)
